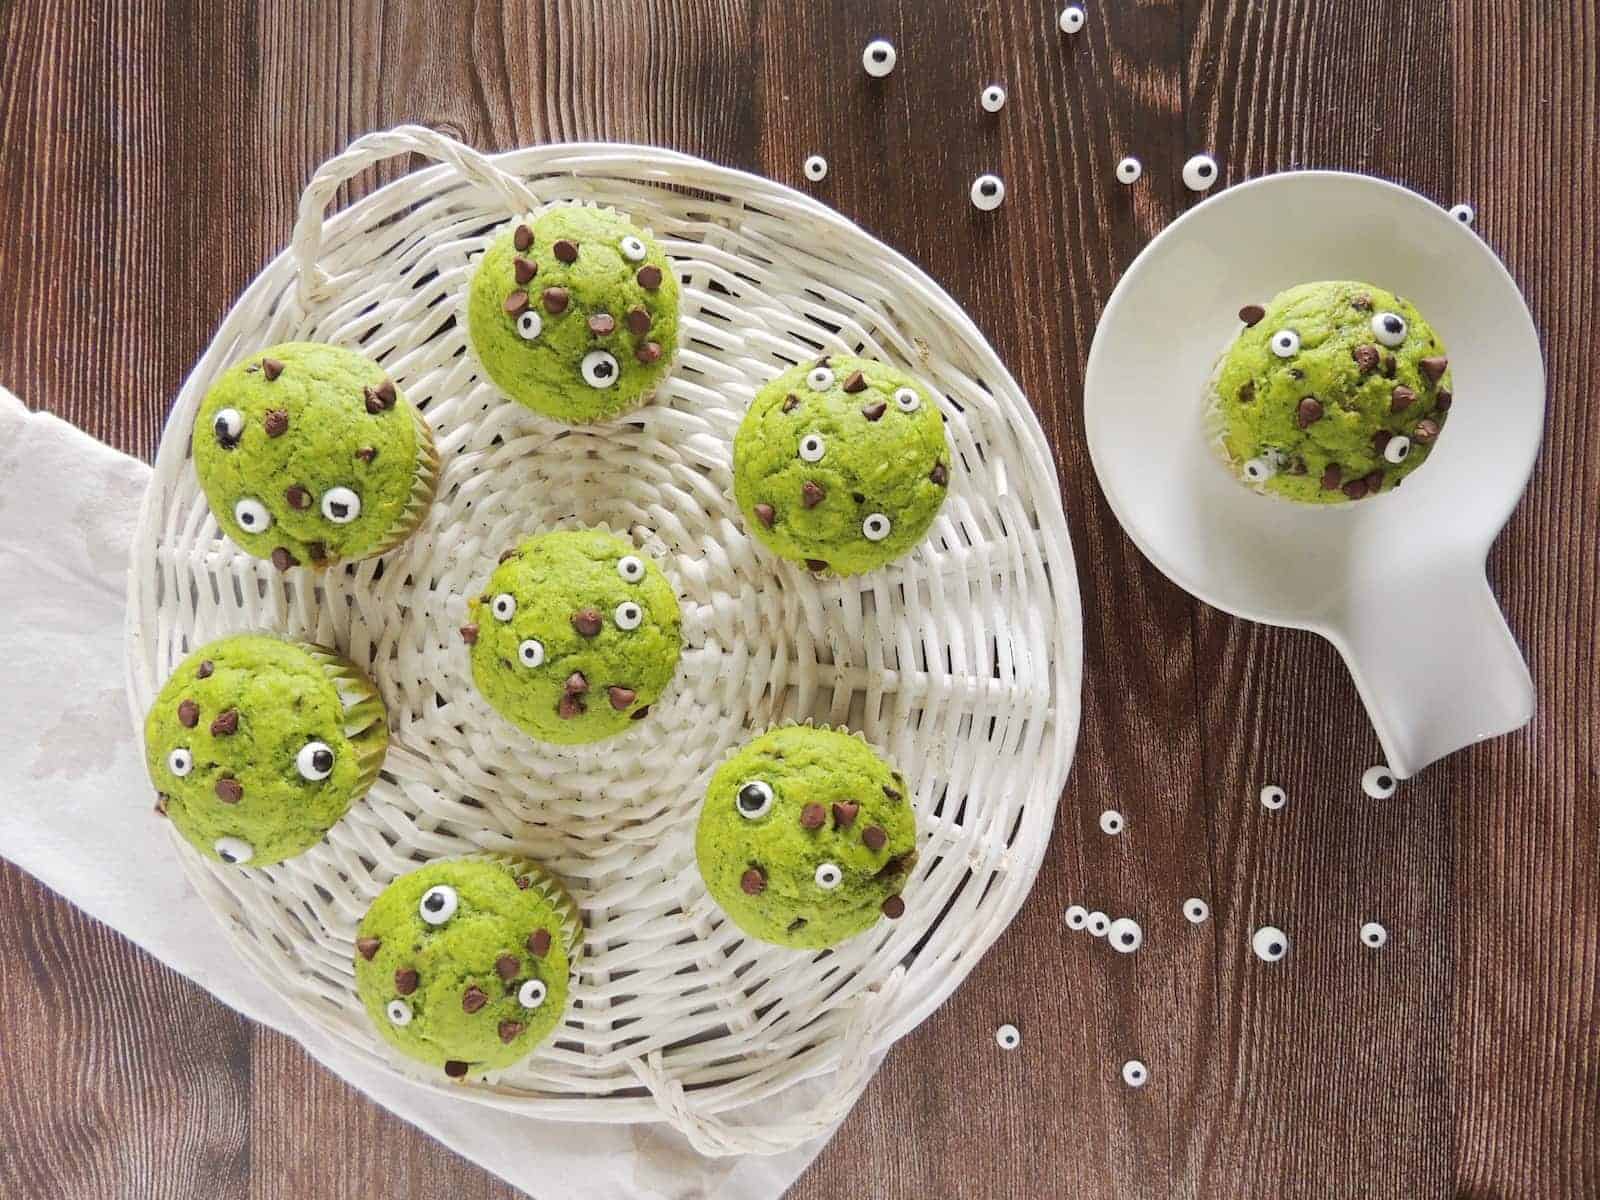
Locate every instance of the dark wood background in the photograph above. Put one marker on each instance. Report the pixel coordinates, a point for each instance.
(150, 158)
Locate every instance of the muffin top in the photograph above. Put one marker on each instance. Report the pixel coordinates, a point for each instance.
(465, 963)
(574, 636)
(257, 746)
(806, 837)
(841, 464)
(575, 313)
(308, 453)
(1332, 392)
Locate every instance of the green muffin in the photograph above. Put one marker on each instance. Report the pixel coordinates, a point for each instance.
(257, 746)
(841, 464)
(575, 636)
(308, 453)
(806, 837)
(1332, 392)
(574, 313)
(465, 964)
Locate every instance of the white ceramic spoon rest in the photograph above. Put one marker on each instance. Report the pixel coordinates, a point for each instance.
(1397, 582)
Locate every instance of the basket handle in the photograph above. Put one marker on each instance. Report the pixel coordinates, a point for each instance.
(370, 148)
(715, 1138)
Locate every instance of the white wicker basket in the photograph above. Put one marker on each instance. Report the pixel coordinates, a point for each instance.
(961, 662)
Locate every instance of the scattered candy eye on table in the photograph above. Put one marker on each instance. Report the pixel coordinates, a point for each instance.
(993, 98)
(987, 192)
(878, 58)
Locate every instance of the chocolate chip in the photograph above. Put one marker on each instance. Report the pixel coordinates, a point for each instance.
(516, 303)
(405, 980)
(509, 1031)
(811, 493)
(317, 550)
(812, 816)
(229, 790)
(844, 815)
(566, 251)
(203, 671)
(188, 714)
(469, 634)
(1374, 481)
(791, 402)
(753, 882)
(1390, 366)
(522, 238)
(367, 453)
(1366, 358)
(1443, 400)
(1426, 430)
(1435, 367)
(816, 564)
(577, 685)
(638, 321)
(1298, 466)
(855, 382)
(874, 412)
(898, 865)
(161, 804)
(1380, 439)
(374, 405)
(296, 496)
(523, 883)
(586, 621)
(455, 1068)
(1251, 314)
(621, 697)
(1361, 301)
(1332, 476)
(892, 794)
(367, 947)
(539, 943)
(226, 723)
(507, 555)
(271, 368)
(276, 422)
(1401, 398)
(1356, 489)
(385, 392)
(939, 475)
(649, 277)
(570, 707)
(1308, 413)
(282, 559)
(555, 300)
(649, 352)
(765, 514)
(602, 324)
(523, 269)
(473, 999)
(1247, 392)
(641, 714)
(825, 361)
(894, 908)
(875, 836)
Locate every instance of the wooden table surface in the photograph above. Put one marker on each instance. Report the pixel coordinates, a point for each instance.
(151, 155)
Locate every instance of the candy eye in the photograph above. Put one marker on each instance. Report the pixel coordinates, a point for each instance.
(812, 447)
(1099, 924)
(988, 191)
(1378, 782)
(1270, 943)
(631, 568)
(252, 515)
(1135, 1073)
(532, 993)
(503, 606)
(1196, 910)
(1111, 822)
(754, 799)
(531, 653)
(180, 762)
(438, 904)
(816, 168)
(234, 851)
(878, 58)
(315, 761)
(628, 615)
(1199, 173)
(1076, 917)
(993, 98)
(341, 505)
(398, 1012)
(1072, 19)
(829, 876)
(228, 425)
(1374, 935)
(1008, 1037)
(632, 248)
(1389, 328)
(599, 369)
(1274, 797)
(907, 399)
(1129, 170)
(875, 528)
(819, 379)
(1286, 343)
(1463, 213)
(1125, 935)
(1258, 470)
(529, 325)
(1397, 449)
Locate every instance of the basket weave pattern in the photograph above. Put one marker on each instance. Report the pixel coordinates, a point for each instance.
(960, 662)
